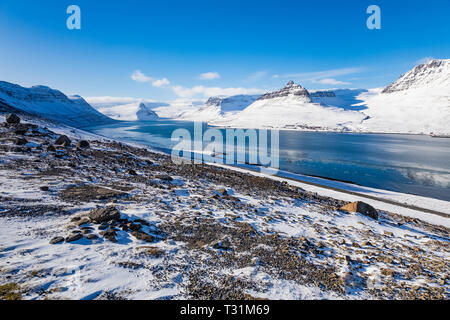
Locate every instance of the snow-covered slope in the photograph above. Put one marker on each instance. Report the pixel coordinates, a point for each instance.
(217, 107)
(127, 109)
(341, 98)
(51, 104)
(292, 108)
(418, 102)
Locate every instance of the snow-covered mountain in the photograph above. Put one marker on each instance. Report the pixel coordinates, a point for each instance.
(51, 104)
(126, 109)
(292, 108)
(218, 107)
(418, 102)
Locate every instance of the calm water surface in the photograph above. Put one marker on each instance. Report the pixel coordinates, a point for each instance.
(403, 163)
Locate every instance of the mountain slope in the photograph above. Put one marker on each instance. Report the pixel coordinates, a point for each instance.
(217, 107)
(126, 109)
(291, 108)
(418, 102)
(51, 104)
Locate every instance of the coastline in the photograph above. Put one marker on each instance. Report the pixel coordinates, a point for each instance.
(193, 231)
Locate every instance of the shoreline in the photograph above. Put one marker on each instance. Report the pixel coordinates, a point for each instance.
(131, 224)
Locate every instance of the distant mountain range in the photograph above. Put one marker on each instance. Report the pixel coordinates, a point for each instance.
(418, 102)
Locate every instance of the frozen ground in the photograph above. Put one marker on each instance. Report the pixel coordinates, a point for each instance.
(194, 231)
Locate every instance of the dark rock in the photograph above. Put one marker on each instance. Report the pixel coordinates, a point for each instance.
(223, 192)
(51, 148)
(103, 226)
(44, 188)
(362, 208)
(164, 177)
(57, 240)
(83, 144)
(12, 119)
(63, 141)
(134, 226)
(21, 131)
(142, 236)
(92, 237)
(132, 172)
(104, 215)
(74, 237)
(20, 141)
(109, 232)
(110, 235)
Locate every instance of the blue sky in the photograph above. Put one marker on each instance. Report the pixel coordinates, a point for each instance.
(239, 46)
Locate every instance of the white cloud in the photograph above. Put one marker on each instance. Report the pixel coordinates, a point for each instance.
(185, 92)
(138, 76)
(210, 76)
(331, 81)
(161, 83)
(317, 75)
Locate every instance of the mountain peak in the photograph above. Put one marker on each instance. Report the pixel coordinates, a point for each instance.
(432, 74)
(291, 89)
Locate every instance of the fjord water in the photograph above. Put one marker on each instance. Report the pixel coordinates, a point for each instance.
(412, 164)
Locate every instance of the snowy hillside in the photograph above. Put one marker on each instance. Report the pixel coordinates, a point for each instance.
(127, 109)
(418, 102)
(341, 98)
(51, 104)
(292, 108)
(217, 107)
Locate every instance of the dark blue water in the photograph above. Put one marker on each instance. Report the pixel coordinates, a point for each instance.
(404, 163)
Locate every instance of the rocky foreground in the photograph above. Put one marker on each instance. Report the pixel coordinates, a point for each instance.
(98, 219)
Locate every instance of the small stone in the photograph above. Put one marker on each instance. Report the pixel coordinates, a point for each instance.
(57, 240)
(142, 236)
(388, 234)
(74, 237)
(51, 148)
(92, 237)
(20, 141)
(21, 131)
(63, 141)
(362, 208)
(103, 226)
(44, 188)
(133, 226)
(367, 244)
(223, 192)
(12, 119)
(132, 172)
(83, 144)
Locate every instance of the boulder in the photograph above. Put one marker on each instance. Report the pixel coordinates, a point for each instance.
(83, 144)
(57, 240)
(74, 237)
(361, 207)
(12, 119)
(104, 215)
(63, 141)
